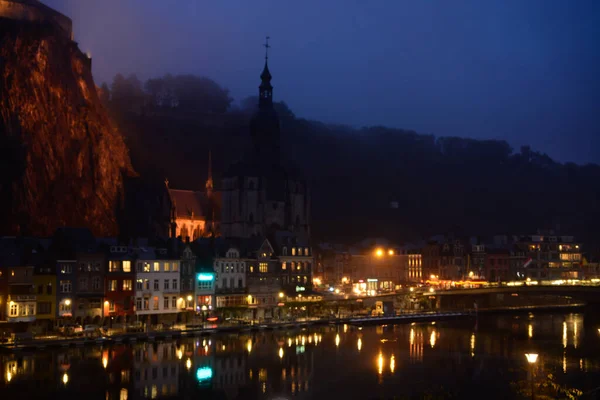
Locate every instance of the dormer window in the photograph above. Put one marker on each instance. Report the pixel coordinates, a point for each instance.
(293, 251)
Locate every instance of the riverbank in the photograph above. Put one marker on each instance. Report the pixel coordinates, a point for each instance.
(153, 336)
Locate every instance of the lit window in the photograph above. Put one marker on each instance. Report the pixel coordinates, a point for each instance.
(283, 266)
(263, 267)
(156, 267)
(146, 267)
(155, 303)
(112, 285)
(306, 251)
(293, 251)
(176, 266)
(127, 285)
(126, 266)
(14, 310)
(113, 266)
(252, 268)
(167, 267)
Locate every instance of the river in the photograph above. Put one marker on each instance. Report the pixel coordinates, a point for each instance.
(472, 358)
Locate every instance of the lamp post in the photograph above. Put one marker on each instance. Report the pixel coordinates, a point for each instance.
(531, 359)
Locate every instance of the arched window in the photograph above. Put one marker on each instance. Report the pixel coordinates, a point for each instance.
(284, 251)
(293, 251)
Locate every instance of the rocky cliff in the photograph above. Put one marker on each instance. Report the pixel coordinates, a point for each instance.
(62, 162)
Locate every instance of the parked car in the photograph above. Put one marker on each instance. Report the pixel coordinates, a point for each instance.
(70, 329)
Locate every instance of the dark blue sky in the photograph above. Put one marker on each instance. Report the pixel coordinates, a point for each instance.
(527, 71)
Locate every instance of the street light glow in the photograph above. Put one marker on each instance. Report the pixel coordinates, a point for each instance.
(531, 358)
(379, 252)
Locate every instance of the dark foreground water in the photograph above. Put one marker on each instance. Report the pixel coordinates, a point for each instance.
(460, 359)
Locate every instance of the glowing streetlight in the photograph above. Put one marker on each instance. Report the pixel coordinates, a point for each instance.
(379, 253)
(65, 378)
(431, 290)
(337, 340)
(392, 364)
(249, 345)
(189, 298)
(531, 358)
(359, 344)
(67, 303)
(188, 364)
(281, 295)
(391, 252)
(281, 352)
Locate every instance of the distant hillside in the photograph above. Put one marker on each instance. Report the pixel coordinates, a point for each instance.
(441, 184)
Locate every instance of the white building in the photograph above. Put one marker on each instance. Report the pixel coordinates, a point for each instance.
(157, 286)
(230, 279)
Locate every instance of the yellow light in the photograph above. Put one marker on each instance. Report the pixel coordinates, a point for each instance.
(379, 253)
(432, 339)
(412, 289)
(188, 364)
(345, 328)
(337, 291)
(189, 298)
(281, 352)
(223, 348)
(104, 362)
(281, 295)
(316, 339)
(412, 336)
(316, 281)
(564, 363)
(65, 378)
(206, 349)
(249, 299)
(392, 364)
(359, 344)
(472, 344)
(380, 364)
(179, 354)
(290, 342)
(8, 376)
(531, 358)
(106, 303)
(530, 331)
(391, 252)
(471, 274)
(309, 339)
(68, 303)
(431, 290)
(564, 341)
(303, 340)
(337, 340)
(249, 345)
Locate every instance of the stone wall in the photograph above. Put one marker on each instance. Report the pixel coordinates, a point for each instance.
(35, 11)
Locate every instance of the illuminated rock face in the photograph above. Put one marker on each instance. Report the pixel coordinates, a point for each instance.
(62, 162)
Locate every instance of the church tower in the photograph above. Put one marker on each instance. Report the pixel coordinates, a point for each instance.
(264, 126)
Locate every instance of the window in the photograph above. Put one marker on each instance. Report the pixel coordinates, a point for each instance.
(64, 307)
(64, 269)
(224, 284)
(240, 283)
(166, 287)
(138, 303)
(299, 266)
(146, 267)
(146, 303)
(49, 288)
(127, 285)
(176, 266)
(40, 289)
(44, 307)
(147, 284)
(139, 266)
(113, 266)
(283, 266)
(139, 284)
(231, 283)
(306, 251)
(293, 251)
(83, 284)
(65, 286)
(206, 285)
(156, 284)
(96, 283)
(167, 267)
(252, 268)
(14, 310)
(112, 285)
(126, 266)
(242, 268)
(156, 267)
(155, 303)
(174, 284)
(166, 303)
(174, 302)
(111, 306)
(284, 251)
(263, 267)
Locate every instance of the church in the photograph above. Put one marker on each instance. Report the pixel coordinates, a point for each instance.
(260, 195)
(263, 194)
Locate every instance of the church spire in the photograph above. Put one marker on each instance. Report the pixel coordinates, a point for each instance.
(209, 180)
(265, 90)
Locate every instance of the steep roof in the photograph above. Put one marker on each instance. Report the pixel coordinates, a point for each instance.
(188, 203)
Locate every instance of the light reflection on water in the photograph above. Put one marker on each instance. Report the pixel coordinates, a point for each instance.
(385, 361)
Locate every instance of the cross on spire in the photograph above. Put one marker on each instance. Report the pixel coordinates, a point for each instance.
(267, 46)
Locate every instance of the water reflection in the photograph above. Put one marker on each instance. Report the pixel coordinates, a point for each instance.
(307, 363)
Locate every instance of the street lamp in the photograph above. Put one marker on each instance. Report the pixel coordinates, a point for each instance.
(281, 295)
(379, 253)
(531, 359)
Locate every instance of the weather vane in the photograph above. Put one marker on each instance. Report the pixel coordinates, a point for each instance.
(267, 48)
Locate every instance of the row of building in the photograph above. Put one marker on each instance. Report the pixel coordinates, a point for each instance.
(76, 277)
(380, 265)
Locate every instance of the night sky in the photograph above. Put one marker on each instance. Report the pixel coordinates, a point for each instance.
(524, 71)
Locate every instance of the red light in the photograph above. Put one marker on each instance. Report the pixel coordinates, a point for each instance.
(212, 319)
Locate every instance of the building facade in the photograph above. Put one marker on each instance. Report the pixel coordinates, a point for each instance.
(119, 283)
